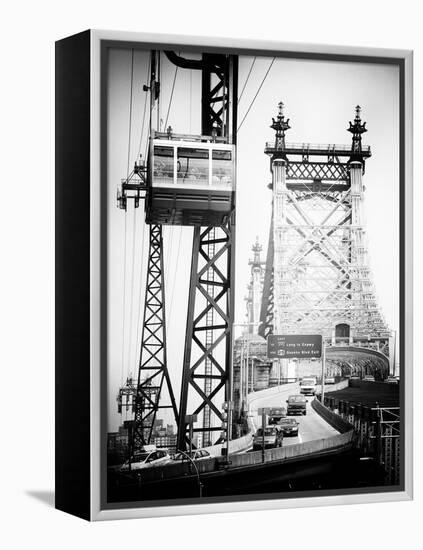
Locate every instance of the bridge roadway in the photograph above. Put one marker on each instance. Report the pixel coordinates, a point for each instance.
(317, 458)
(312, 425)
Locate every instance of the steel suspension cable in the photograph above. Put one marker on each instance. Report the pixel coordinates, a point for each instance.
(257, 93)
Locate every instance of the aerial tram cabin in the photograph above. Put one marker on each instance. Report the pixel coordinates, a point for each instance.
(191, 180)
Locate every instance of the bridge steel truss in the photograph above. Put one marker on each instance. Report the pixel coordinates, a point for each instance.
(266, 313)
(317, 273)
(207, 353)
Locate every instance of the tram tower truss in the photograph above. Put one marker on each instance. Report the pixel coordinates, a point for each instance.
(179, 190)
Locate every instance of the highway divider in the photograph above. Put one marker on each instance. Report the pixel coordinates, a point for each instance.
(331, 418)
(235, 445)
(245, 442)
(339, 441)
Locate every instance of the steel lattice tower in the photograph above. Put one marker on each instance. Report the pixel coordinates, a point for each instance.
(153, 372)
(206, 380)
(317, 274)
(208, 343)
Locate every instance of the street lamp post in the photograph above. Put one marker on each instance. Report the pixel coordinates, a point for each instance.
(229, 405)
(190, 419)
(263, 429)
(394, 346)
(241, 377)
(200, 485)
(323, 371)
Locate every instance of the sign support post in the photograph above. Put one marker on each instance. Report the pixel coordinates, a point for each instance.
(190, 419)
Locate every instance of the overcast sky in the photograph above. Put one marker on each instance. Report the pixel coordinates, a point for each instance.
(319, 98)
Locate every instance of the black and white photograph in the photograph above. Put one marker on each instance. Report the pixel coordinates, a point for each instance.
(211, 270)
(253, 334)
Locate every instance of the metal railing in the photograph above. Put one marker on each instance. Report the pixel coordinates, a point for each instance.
(325, 148)
(190, 137)
(377, 431)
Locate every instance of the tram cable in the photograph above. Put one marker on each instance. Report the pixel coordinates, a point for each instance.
(126, 222)
(124, 301)
(134, 225)
(130, 111)
(257, 93)
(175, 273)
(171, 96)
(147, 142)
(246, 80)
(131, 308)
(141, 279)
(190, 100)
(170, 233)
(138, 336)
(144, 111)
(159, 72)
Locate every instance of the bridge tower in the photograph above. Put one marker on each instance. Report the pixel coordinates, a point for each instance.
(255, 289)
(317, 276)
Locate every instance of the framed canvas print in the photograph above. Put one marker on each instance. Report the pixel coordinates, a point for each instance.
(233, 275)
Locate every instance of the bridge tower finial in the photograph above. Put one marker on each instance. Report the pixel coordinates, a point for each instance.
(280, 125)
(357, 128)
(257, 248)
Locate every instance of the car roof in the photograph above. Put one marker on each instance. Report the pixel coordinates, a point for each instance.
(148, 448)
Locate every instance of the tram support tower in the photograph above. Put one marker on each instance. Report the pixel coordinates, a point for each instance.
(190, 180)
(317, 277)
(207, 362)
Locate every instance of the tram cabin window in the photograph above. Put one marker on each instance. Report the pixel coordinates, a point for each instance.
(163, 164)
(193, 166)
(222, 168)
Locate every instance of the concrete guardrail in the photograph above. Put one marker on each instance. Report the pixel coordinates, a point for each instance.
(217, 462)
(245, 442)
(292, 451)
(331, 418)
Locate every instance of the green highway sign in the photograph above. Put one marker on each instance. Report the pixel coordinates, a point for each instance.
(290, 346)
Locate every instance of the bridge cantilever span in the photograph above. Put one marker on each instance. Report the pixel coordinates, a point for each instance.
(359, 360)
